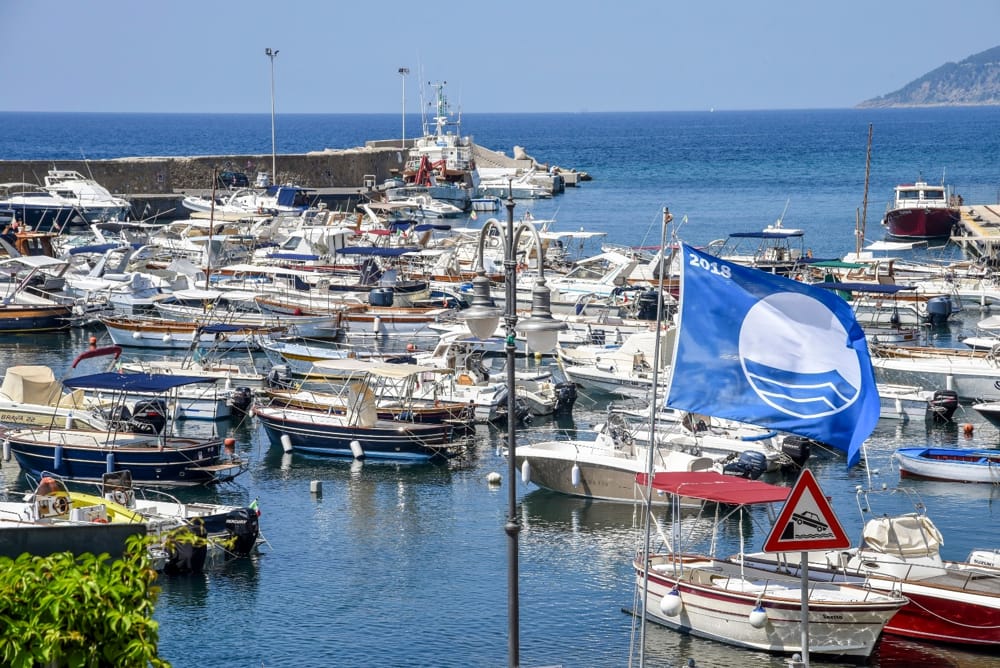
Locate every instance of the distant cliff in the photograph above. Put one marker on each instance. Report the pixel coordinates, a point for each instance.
(974, 81)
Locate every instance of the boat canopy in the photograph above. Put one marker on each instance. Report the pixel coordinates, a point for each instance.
(878, 288)
(716, 487)
(767, 235)
(133, 382)
(376, 251)
(376, 368)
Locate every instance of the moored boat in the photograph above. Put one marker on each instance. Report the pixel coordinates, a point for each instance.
(921, 211)
(950, 464)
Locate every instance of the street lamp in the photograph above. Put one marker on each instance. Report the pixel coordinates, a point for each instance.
(272, 53)
(541, 331)
(403, 71)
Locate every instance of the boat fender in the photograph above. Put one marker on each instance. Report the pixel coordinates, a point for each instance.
(57, 457)
(575, 475)
(110, 462)
(376, 324)
(526, 472)
(671, 604)
(286, 442)
(758, 617)
(357, 450)
(6, 450)
(136, 335)
(69, 420)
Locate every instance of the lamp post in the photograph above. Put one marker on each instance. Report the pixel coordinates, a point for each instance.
(541, 331)
(403, 71)
(272, 53)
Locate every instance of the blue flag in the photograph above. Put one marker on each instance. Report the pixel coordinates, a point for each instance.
(771, 351)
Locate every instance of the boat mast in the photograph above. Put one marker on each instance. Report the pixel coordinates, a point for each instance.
(860, 231)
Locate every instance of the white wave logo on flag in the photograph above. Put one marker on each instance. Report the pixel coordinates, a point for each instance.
(806, 372)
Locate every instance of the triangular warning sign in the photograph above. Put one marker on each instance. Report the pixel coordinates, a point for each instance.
(806, 521)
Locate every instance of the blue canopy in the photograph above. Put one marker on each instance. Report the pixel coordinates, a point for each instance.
(133, 382)
(292, 256)
(767, 235)
(423, 227)
(94, 248)
(219, 328)
(372, 250)
(865, 287)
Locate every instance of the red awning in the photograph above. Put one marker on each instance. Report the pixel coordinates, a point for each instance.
(712, 486)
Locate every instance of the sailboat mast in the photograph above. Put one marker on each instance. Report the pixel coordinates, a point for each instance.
(859, 242)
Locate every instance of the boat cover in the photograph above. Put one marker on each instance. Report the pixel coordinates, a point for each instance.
(716, 487)
(909, 535)
(31, 385)
(879, 288)
(133, 382)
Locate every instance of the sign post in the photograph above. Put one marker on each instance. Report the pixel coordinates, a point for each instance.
(806, 522)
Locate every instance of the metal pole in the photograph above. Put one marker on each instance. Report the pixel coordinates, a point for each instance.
(274, 160)
(513, 526)
(403, 71)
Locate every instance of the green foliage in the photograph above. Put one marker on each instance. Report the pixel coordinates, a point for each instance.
(87, 611)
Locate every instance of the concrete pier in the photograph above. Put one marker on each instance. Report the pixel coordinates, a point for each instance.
(978, 233)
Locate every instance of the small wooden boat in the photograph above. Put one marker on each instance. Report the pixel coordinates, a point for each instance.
(144, 332)
(949, 464)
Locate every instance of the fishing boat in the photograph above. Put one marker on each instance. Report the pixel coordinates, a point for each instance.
(954, 602)
(24, 311)
(731, 601)
(921, 211)
(136, 439)
(358, 432)
(147, 332)
(950, 464)
(32, 396)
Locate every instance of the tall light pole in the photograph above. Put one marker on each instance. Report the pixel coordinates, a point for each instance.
(403, 71)
(272, 53)
(541, 331)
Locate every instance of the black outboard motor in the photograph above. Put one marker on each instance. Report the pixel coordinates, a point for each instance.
(797, 448)
(565, 396)
(187, 549)
(942, 406)
(240, 400)
(750, 465)
(149, 415)
(244, 529)
(278, 377)
(938, 309)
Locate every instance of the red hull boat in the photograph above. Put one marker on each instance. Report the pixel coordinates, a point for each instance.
(922, 211)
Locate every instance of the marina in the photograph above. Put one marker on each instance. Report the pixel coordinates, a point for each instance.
(362, 551)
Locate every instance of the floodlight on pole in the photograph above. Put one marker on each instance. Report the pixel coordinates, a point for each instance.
(272, 53)
(403, 71)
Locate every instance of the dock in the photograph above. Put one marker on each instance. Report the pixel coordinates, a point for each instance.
(978, 232)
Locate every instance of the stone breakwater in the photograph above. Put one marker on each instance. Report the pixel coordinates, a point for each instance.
(346, 168)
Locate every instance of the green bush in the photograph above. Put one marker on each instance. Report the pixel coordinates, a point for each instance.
(87, 611)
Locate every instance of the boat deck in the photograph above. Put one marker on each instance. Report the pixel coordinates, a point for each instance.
(978, 232)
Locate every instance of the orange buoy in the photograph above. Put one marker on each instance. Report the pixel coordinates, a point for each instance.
(968, 429)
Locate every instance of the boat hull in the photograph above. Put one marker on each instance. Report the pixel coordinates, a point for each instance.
(842, 621)
(88, 455)
(949, 464)
(34, 318)
(323, 434)
(921, 222)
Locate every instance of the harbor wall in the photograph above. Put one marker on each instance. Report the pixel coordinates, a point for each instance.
(347, 168)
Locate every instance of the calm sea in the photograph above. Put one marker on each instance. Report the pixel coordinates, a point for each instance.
(406, 565)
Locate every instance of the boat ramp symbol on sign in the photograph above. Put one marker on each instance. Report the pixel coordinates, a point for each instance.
(806, 521)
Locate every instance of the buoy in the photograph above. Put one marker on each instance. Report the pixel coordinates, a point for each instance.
(230, 445)
(70, 423)
(758, 617)
(6, 450)
(316, 487)
(110, 462)
(671, 604)
(493, 478)
(357, 450)
(286, 442)
(526, 472)
(575, 475)
(410, 347)
(93, 342)
(57, 458)
(968, 429)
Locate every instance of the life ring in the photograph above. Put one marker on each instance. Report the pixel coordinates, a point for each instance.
(60, 505)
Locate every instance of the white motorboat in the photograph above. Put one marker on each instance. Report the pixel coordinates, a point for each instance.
(66, 198)
(908, 402)
(972, 374)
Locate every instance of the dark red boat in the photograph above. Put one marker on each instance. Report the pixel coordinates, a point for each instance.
(922, 211)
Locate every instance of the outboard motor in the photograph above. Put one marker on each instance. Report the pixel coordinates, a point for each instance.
(186, 548)
(241, 399)
(565, 396)
(797, 448)
(244, 529)
(647, 304)
(278, 377)
(149, 415)
(938, 309)
(942, 406)
(750, 465)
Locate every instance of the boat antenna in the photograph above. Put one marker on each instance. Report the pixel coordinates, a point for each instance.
(86, 163)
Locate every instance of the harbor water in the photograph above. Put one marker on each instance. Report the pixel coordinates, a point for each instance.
(405, 565)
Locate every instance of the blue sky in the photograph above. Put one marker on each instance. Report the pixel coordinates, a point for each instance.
(569, 55)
